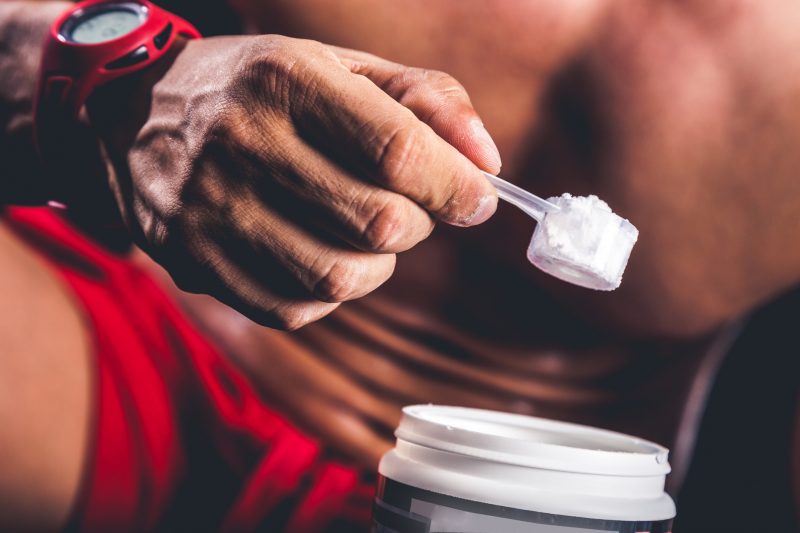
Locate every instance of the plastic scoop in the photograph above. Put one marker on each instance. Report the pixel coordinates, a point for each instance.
(578, 239)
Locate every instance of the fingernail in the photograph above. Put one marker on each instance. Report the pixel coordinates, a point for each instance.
(486, 208)
(490, 153)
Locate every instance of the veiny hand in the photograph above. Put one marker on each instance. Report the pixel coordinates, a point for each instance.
(683, 116)
(282, 176)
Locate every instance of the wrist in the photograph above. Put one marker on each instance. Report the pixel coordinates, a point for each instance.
(117, 110)
(23, 26)
(93, 45)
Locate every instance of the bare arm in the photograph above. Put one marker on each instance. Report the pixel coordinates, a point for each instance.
(367, 153)
(44, 351)
(22, 29)
(44, 392)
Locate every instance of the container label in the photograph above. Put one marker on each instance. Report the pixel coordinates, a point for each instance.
(401, 508)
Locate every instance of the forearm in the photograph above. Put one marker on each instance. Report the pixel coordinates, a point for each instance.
(23, 26)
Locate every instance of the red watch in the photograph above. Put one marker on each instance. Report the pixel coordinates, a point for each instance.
(94, 42)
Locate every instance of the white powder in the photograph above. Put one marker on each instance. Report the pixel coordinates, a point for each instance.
(584, 243)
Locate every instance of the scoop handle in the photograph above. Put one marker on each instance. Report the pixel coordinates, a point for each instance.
(528, 202)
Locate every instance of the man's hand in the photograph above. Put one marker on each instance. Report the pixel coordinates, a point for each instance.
(282, 176)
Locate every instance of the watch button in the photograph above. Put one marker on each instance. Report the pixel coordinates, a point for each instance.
(137, 56)
(161, 39)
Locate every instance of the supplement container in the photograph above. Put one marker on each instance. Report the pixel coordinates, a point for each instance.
(463, 470)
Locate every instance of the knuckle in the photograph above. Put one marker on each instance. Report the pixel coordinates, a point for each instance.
(270, 52)
(383, 228)
(314, 47)
(398, 155)
(284, 71)
(230, 130)
(224, 123)
(444, 83)
(439, 85)
(438, 93)
(267, 70)
(340, 281)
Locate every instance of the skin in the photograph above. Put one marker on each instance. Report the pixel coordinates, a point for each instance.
(667, 111)
(45, 345)
(265, 117)
(303, 171)
(680, 127)
(671, 113)
(45, 404)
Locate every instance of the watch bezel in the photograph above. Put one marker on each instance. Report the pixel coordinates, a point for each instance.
(83, 13)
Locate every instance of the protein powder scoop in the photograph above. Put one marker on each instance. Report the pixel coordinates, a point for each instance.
(577, 239)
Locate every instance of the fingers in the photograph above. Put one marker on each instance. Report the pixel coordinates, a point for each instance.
(269, 298)
(268, 287)
(258, 238)
(350, 116)
(436, 98)
(365, 155)
(364, 215)
(328, 272)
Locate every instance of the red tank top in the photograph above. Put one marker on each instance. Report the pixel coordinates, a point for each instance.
(181, 441)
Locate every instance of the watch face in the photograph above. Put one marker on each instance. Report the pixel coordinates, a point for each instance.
(103, 22)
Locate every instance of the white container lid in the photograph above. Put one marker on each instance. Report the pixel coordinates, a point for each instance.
(529, 441)
(530, 463)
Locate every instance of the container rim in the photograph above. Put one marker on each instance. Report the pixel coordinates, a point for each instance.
(530, 441)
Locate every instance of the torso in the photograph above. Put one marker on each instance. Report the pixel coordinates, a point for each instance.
(465, 319)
